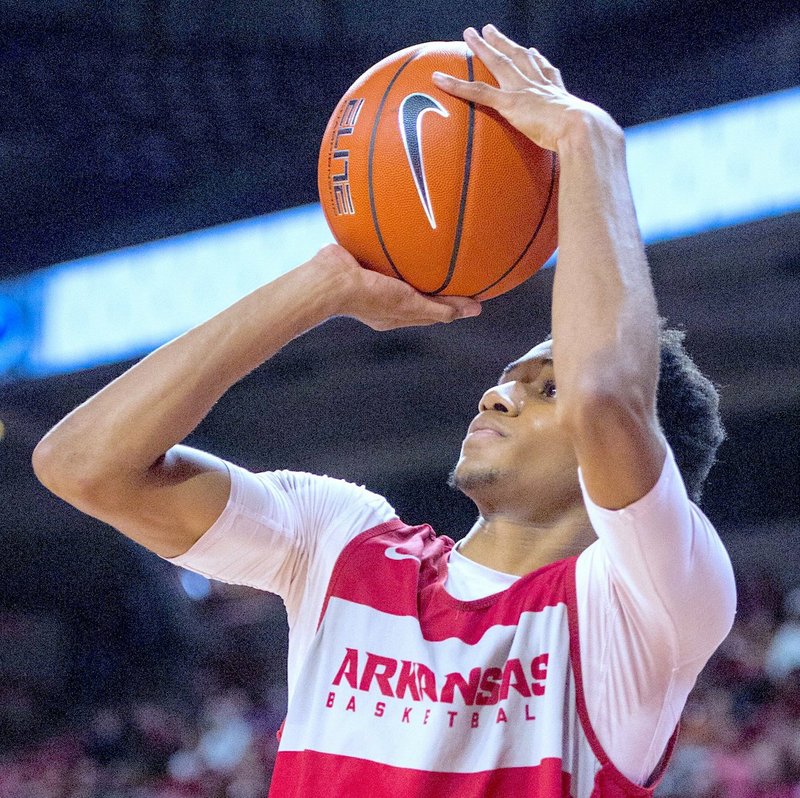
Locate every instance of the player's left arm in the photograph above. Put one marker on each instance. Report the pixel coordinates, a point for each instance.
(605, 320)
(663, 555)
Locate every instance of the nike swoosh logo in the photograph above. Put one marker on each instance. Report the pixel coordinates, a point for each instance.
(393, 554)
(412, 109)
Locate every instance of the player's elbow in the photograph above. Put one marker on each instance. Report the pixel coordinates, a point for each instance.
(64, 471)
(44, 462)
(726, 600)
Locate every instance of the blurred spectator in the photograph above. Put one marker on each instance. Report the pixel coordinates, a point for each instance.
(783, 655)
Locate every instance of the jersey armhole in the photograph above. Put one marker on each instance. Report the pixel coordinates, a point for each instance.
(631, 788)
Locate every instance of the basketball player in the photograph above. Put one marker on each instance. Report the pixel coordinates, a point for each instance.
(551, 652)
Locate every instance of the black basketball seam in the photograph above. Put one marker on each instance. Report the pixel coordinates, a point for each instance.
(372, 208)
(535, 232)
(464, 186)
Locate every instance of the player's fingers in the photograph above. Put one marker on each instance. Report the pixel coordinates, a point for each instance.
(421, 309)
(401, 305)
(521, 56)
(499, 64)
(547, 69)
(463, 306)
(474, 91)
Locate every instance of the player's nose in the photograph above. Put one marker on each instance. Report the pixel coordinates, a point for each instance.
(504, 398)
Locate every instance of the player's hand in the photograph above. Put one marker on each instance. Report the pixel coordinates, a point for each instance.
(380, 302)
(531, 95)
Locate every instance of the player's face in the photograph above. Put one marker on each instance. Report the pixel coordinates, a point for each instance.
(515, 454)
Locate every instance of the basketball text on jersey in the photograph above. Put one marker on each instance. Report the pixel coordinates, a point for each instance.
(415, 682)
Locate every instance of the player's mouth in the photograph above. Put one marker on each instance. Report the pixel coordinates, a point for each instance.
(485, 428)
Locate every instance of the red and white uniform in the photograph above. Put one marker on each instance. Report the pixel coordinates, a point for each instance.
(415, 671)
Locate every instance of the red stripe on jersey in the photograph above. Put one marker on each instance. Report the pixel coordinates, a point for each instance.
(407, 578)
(302, 773)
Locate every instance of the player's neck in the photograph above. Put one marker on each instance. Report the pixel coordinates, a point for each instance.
(512, 546)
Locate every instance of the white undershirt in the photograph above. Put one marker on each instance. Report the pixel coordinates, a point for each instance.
(468, 580)
(655, 592)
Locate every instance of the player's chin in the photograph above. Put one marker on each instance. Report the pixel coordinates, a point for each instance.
(470, 475)
(459, 470)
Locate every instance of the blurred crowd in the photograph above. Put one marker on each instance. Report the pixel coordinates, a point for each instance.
(145, 750)
(740, 733)
(209, 733)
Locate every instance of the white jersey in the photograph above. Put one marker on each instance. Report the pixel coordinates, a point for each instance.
(654, 594)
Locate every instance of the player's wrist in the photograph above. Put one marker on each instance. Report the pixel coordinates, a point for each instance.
(327, 283)
(584, 126)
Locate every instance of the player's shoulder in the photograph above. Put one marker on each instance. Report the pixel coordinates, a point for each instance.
(304, 480)
(322, 489)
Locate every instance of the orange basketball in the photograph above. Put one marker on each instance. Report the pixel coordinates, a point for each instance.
(421, 185)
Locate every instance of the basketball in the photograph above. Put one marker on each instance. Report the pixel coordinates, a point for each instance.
(426, 187)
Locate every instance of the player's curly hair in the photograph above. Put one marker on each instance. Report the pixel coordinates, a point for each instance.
(687, 405)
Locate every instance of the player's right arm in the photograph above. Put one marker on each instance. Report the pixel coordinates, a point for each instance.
(117, 456)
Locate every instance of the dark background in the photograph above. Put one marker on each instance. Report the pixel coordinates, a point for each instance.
(124, 123)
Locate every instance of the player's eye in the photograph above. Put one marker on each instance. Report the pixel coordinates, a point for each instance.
(549, 389)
